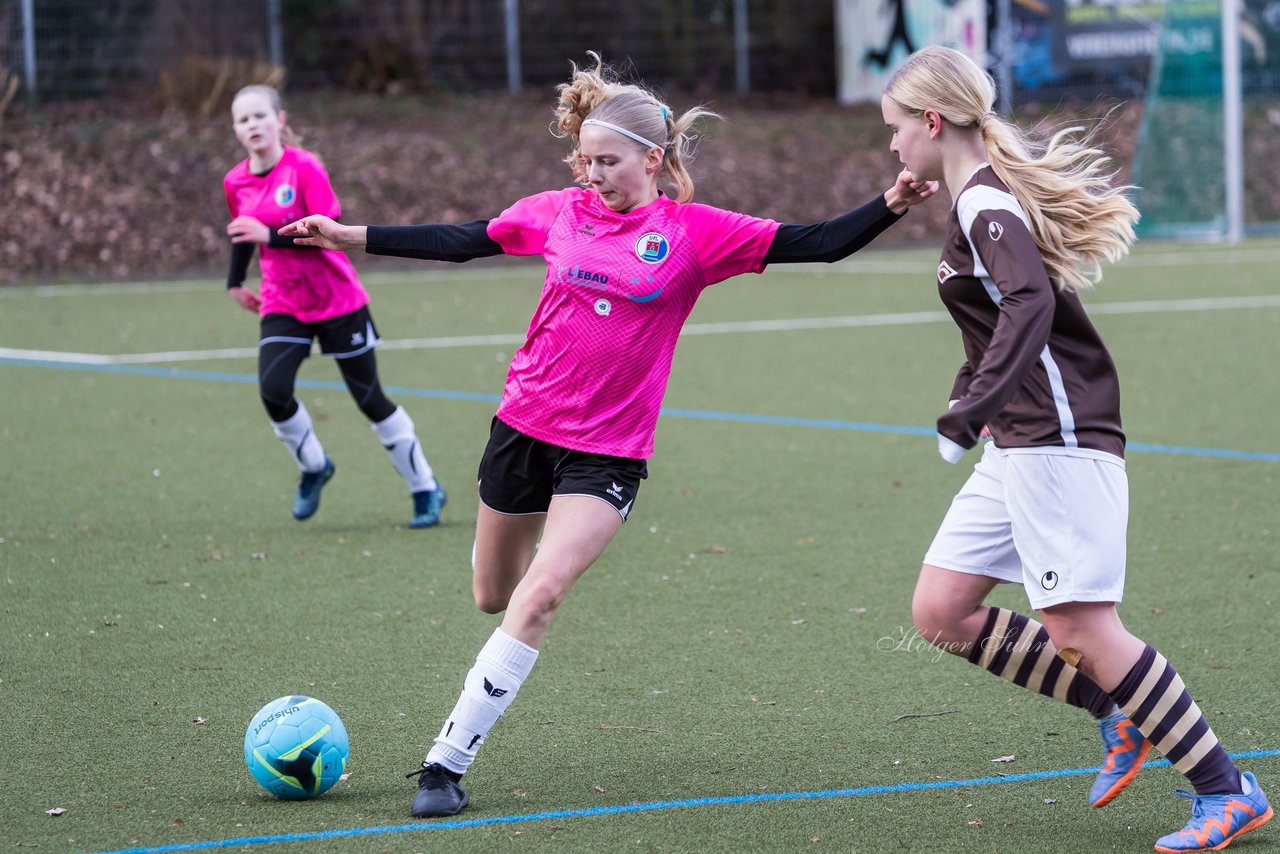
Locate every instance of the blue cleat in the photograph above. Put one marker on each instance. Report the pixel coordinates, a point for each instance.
(307, 501)
(427, 505)
(1127, 749)
(1216, 820)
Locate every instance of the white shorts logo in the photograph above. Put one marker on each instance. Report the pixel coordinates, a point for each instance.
(1049, 580)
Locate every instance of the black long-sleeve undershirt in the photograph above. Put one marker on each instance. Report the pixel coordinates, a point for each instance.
(242, 254)
(833, 240)
(455, 243)
(828, 241)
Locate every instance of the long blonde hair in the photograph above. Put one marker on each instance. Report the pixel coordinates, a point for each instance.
(1078, 217)
(597, 93)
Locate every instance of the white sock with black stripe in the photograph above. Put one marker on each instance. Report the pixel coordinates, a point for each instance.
(299, 437)
(500, 669)
(398, 436)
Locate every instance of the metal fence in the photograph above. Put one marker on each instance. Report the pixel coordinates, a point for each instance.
(72, 49)
(69, 49)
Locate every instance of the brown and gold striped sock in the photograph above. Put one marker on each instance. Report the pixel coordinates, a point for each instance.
(1156, 700)
(1017, 649)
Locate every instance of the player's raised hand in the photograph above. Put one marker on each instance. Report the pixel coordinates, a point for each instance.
(247, 229)
(321, 231)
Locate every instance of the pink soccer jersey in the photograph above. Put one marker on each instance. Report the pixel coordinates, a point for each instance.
(309, 284)
(594, 367)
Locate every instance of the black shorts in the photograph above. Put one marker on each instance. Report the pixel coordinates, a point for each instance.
(340, 337)
(519, 474)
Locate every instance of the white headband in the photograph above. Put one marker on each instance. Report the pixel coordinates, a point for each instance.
(637, 137)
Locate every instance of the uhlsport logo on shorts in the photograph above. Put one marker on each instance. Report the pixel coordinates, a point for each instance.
(652, 248)
(285, 194)
(1049, 580)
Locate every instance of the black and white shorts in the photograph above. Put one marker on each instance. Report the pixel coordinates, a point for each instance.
(519, 474)
(340, 337)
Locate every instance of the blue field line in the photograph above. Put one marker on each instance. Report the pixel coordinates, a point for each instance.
(668, 412)
(651, 806)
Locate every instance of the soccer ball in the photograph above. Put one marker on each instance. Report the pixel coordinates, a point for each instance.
(296, 747)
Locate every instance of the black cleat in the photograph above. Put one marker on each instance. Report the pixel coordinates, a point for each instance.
(439, 792)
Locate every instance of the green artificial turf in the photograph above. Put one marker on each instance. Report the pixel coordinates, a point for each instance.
(746, 636)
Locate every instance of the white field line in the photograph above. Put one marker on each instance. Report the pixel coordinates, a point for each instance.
(865, 264)
(1187, 258)
(782, 325)
(519, 272)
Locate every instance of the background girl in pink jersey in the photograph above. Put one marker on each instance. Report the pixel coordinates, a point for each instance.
(625, 264)
(1047, 505)
(308, 294)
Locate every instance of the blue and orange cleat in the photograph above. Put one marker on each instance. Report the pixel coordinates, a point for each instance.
(1127, 749)
(307, 501)
(1217, 820)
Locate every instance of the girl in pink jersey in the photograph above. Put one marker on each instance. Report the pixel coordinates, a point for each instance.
(1047, 505)
(306, 294)
(567, 449)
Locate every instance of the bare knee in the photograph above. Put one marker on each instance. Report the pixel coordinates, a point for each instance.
(490, 598)
(536, 602)
(936, 620)
(948, 608)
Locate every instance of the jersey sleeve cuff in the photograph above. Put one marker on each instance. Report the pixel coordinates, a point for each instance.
(949, 450)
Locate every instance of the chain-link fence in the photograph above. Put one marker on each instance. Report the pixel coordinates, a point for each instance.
(67, 49)
(71, 49)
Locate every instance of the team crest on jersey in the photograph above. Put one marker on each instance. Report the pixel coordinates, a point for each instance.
(285, 195)
(995, 230)
(603, 307)
(652, 248)
(944, 272)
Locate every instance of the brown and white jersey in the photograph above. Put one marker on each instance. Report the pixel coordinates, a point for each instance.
(1035, 368)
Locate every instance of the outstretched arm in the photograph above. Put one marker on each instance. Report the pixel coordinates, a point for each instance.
(326, 233)
(840, 237)
(431, 242)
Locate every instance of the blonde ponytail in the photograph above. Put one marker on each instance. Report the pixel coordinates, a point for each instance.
(1078, 216)
(598, 94)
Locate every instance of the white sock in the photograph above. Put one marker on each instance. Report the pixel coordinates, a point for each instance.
(300, 439)
(401, 441)
(500, 670)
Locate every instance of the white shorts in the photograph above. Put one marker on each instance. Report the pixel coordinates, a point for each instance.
(1051, 519)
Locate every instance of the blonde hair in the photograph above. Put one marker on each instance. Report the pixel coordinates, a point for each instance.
(1078, 218)
(598, 94)
(287, 134)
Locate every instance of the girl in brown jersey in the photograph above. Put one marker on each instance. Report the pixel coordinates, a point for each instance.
(1047, 504)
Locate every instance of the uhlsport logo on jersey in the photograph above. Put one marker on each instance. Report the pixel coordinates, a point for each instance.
(652, 248)
(285, 195)
(995, 229)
